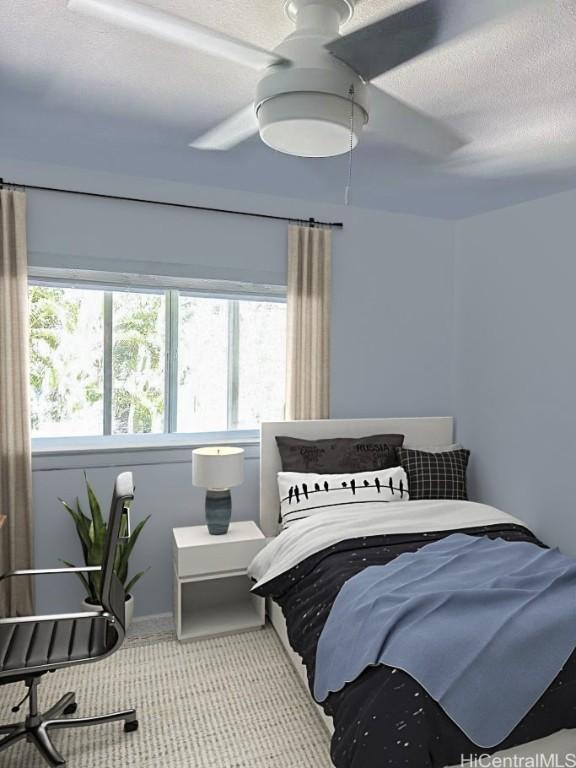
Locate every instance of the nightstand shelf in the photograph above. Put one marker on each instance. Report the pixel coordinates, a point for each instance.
(211, 586)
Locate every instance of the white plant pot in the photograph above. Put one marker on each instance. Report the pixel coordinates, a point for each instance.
(129, 611)
(86, 606)
(128, 607)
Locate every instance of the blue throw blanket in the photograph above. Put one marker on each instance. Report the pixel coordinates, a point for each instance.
(483, 625)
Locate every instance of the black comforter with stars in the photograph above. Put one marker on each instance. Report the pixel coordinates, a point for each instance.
(384, 717)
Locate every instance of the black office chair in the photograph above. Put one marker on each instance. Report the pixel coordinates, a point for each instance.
(34, 645)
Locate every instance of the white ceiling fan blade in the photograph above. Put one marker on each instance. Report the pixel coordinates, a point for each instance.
(405, 126)
(152, 21)
(230, 132)
(388, 42)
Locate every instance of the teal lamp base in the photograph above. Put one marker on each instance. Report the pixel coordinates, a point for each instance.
(218, 511)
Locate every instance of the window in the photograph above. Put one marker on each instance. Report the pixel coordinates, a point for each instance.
(113, 360)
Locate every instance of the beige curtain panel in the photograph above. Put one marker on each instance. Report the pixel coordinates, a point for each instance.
(308, 337)
(16, 541)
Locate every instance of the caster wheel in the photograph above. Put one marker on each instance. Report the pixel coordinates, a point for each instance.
(132, 726)
(71, 709)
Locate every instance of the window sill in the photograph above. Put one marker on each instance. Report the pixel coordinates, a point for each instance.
(56, 446)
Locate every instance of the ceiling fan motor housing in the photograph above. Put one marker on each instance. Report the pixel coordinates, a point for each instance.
(300, 12)
(316, 106)
(313, 97)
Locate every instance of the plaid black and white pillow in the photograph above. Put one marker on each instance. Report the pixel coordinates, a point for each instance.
(435, 475)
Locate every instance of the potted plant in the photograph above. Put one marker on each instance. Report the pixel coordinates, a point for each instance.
(92, 534)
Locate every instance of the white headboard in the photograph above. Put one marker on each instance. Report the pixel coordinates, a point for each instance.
(418, 432)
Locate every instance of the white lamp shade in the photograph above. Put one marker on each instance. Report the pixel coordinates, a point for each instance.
(217, 467)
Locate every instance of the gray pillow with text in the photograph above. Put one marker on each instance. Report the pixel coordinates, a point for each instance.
(339, 454)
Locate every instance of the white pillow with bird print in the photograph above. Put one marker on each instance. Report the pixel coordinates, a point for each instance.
(304, 494)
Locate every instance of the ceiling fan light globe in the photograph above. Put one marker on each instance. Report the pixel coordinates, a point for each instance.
(308, 124)
(308, 138)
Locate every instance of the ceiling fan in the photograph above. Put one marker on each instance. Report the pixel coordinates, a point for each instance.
(315, 97)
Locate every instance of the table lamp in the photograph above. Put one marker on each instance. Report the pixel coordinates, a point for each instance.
(218, 468)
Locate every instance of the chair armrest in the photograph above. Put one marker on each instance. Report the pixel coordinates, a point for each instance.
(59, 617)
(45, 571)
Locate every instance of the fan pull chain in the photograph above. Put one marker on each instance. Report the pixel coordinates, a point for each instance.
(351, 93)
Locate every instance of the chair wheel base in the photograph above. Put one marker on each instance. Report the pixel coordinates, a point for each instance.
(36, 727)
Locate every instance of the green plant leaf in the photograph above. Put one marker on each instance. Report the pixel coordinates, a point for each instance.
(135, 535)
(83, 527)
(125, 550)
(82, 524)
(98, 541)
(96, 512)
(128, 588)
(121, 564)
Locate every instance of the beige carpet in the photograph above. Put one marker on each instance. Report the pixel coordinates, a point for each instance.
(232, 702)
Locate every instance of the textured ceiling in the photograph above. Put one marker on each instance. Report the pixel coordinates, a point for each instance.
(79, 92)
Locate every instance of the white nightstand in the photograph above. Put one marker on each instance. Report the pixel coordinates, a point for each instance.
(211, 585)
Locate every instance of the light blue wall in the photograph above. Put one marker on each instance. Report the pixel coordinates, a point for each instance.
(391, 323)
(392, 316)
(486, 336)
(515, 364)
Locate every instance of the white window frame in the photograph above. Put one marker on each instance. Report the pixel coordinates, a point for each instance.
(172, 288)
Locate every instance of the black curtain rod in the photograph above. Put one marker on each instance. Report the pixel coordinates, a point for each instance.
(311, 222)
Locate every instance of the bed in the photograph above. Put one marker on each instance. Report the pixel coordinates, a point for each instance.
(419, 432)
